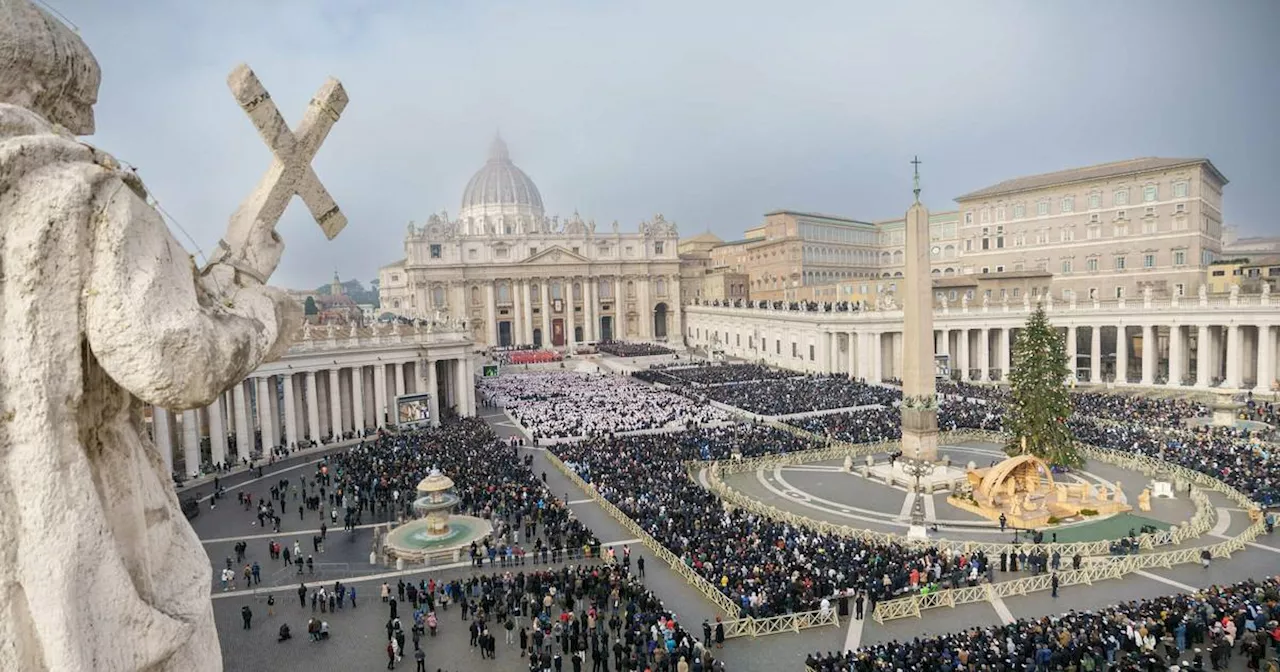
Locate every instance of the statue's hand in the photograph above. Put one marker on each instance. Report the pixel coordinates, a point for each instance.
(255, 258)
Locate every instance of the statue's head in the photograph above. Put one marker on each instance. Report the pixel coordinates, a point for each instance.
(46, 68)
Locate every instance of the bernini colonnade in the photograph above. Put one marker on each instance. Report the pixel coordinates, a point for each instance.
(333, 383)
(1224, 342)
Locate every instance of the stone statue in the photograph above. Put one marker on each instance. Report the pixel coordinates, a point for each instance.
(1146, 295)
(331, 331)
(1234, 293)
(964, 301)
(943, 302)
(1203, 293)
(306, 331)
(104, 313)
(353, 333)
(986, 300)
(1266, 291)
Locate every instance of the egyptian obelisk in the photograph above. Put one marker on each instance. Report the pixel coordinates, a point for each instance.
(919, 394)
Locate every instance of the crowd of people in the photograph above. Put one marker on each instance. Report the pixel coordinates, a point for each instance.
(628, 349)
(708, 375)
(814, 392)
(564, 405)
(766, 567)
(1195, 631)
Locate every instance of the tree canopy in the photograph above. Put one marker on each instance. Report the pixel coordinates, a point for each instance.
(1041, 401)
(309, 307)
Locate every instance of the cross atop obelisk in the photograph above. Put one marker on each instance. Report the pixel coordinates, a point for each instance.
(915, 162)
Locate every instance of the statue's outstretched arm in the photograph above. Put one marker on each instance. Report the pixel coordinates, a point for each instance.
(169, 338)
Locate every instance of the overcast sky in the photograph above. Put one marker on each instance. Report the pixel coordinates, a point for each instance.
(711, 113)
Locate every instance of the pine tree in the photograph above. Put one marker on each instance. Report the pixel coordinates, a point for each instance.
(1041, 402)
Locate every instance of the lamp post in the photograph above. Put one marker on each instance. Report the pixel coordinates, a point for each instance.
(917, 469)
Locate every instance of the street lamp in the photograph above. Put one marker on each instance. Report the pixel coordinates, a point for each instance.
(917, 469)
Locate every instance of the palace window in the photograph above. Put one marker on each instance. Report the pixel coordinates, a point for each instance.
(1181, 189)
(1042, 208)
(435, 251)
(1019, 211)
(986, 215)
(968, 217)
(1121, 197)
(1095, 200)
(1091, 264)
(1149, 193)
(1119, 262)
(1066, 265)
(657, 247)
(1119, 292)
(1148, 261)
(1179, 257)
(1068, 203)
(1179, 289)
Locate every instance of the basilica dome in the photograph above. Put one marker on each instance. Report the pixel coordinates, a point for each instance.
(500, 189)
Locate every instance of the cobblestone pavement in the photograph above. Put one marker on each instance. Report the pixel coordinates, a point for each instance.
(358, 635)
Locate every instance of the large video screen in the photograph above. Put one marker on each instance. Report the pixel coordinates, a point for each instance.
(413, 409)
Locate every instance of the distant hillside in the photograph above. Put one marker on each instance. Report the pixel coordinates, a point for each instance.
(355, 290)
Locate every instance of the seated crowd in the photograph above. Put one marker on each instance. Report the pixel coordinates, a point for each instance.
(1182, 631)
(807, 393)
(564, 405)
(766, 567)
(708, 375)
(626, 349)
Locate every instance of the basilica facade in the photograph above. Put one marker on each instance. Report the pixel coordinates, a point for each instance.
(519, 277)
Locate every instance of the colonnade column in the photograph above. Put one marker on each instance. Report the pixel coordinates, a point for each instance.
(1122, 355)
(1072, 346)
(244, 432)
(471, 386)
(1095, 354)
(546, 312)
(433, 386)
(162, 435)
(1266, 354)
(266, 423)
(984, 353)
(1203, 355)
(962, 352)
(217, 431)
(1177, 355)
(357, 398)
(1006, 348)
(335, 402)
(1233, 357)
(380, 394)
(851, 340)
(290, 411)
(833, 355)
(491, 316)
(1149, 354)
(191, 442)
(460, 383)
(313, 407)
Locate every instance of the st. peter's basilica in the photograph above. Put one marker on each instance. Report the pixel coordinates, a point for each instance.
(522, 278)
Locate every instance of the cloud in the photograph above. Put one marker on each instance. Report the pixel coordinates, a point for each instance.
(711, 113)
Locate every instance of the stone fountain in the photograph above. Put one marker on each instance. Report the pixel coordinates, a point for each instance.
(437, 533)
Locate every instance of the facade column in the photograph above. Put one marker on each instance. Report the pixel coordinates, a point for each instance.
(313, 407)
(191, 442)
(380, 410)
(433, 387)
(526, 301)
(1235, 358)
(399, 369)
(571, 317)
(1006, 350)
(217, 432)
(984, 353)
(491, 316)
(1122, 355)
(335, 402)
(244, 431)
(517, 313)
(675, 309)
(833, 356)
(1072, 347)
(962, 352)
(1149, 354)
(619, 310)
(1095, 354)
(588, 309)
(1177, 355)
(357, 398)
(645, 309)
(1266, 355)
(266, 422)
(162, 435)
(290, 411)
(543, 285)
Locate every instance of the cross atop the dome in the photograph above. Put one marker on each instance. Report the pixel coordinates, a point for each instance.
(915, 161)
(498, 150)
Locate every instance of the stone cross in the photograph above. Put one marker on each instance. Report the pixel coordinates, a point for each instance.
(290, 172)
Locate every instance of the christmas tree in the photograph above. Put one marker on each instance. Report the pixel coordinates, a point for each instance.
(1041, 402)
